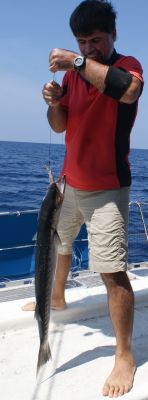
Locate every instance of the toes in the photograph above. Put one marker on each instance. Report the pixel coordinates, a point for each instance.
(106, 390)
(29, 306)
(127, 389)
(116, 391)
(111, 391)
(121, 391)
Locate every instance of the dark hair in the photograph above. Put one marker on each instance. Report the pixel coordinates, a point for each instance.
(91, 15)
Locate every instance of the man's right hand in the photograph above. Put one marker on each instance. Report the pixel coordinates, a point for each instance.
(52, 93)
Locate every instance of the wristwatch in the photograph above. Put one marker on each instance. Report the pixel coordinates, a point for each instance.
(79, 63)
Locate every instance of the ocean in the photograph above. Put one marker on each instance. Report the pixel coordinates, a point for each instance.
(23, 175)
(24, 181)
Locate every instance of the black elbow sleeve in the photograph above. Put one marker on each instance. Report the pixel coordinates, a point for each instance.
(117, 82)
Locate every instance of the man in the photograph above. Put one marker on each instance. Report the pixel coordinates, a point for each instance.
(97, 106)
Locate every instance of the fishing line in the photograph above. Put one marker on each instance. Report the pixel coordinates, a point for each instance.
(50, 133)
(49, 163)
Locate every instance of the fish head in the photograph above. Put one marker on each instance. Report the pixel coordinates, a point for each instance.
(50, 174)
(56, 198)
(61, 184)
(55, 193)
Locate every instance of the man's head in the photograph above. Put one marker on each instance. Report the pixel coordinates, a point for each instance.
(93, 23)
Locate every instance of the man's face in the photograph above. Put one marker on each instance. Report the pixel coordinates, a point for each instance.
(98, 46)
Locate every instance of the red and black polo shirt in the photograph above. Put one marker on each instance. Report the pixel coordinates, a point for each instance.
(98, 132)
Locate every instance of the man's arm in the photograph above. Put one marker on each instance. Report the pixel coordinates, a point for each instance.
(96, 73)
(133, 92)
(57, 118)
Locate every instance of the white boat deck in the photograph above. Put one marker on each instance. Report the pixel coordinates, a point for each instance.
(82, 344)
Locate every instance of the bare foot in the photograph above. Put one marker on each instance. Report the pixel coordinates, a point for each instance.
(29, 306)
(56, 304)
(121, 379)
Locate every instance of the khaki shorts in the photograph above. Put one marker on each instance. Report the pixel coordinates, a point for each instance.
(105, 214)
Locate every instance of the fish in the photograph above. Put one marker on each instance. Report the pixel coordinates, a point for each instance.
(45, 261)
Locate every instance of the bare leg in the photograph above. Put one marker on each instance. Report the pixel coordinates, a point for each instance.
(62, 270)
(121, 306)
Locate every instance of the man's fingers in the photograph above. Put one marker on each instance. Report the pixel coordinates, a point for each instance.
(51, 85)
(48, 85)
(53, 68)
(50, 99)
(52, 93)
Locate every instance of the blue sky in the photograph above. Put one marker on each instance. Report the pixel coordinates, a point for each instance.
(28, 31)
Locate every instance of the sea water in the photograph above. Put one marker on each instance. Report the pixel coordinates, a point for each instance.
(24, 181)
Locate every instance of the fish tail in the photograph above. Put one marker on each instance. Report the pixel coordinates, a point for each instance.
(44, 354)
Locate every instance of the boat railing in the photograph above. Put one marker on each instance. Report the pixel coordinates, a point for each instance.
(18, 241)
(141, 205)
(138, 233)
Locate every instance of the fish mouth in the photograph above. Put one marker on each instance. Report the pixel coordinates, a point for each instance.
(61, 184)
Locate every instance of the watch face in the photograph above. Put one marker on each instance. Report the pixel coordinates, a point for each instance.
(79, 61)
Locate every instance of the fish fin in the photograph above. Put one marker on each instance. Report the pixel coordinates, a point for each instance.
(44, 355)
(57, 238)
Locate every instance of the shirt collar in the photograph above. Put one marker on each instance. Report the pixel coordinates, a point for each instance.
(113, 58)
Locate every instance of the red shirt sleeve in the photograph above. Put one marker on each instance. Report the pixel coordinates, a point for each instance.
(131, 65)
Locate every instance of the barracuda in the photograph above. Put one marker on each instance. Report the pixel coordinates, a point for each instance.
(46, 245)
